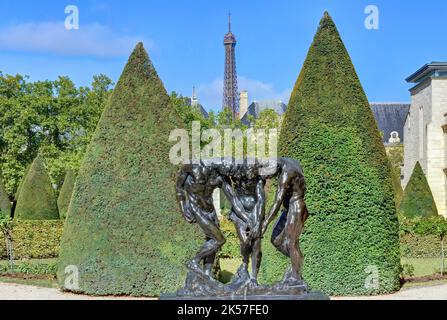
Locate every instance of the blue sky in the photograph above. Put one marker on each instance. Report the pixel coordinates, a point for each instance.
(185, 41)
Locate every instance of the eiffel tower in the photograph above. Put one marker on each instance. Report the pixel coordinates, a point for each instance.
(231, 93)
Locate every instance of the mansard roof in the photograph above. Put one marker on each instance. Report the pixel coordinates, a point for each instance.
(257, 107)
(391, 117)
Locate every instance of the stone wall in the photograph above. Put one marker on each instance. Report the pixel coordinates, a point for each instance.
(425, 140)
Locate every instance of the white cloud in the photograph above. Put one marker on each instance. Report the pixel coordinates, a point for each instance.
(91, 39)
(210, 95)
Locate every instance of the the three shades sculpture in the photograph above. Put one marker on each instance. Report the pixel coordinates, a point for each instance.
(243, 183)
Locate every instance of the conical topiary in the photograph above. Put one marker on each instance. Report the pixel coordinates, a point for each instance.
(19, 188)
(36, 200)
(351, 242)
(63, 201)
(5, 203)
(124, 232)
(418, 199)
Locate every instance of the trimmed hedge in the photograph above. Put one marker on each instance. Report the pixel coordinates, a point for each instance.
(5, 204)
(63, 201)
(418, 199)
(418, 246)
(124, 230)
(330, 128)
(36, 200)
(39, 239)
(35, 268)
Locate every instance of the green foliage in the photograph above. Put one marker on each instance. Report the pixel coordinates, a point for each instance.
(5, 203)
(44, 268)
(330, 128)
(35, 239)
(407, 270)
(124, 230)
(418, 200)
(413, 245)
(37, 200)
(395, 153)
(231, 248)
(268, 119)
(51, 117)
(63, 201)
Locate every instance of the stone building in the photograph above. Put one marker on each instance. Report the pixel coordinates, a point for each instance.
(257, 107)
(426, 129)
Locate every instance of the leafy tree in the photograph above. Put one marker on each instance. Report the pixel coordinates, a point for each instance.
(268, 119)
(63, 200)
(329, 127)
(37, 200)
(395, 154)
(418, 199)
(51, 117)
(123, 230)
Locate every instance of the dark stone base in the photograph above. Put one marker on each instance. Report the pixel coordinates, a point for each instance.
(308, 296)
(199, 286)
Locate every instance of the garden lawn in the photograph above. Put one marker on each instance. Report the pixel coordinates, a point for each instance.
(424, 266)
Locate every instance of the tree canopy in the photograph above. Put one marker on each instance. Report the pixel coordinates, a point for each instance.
(51, 117)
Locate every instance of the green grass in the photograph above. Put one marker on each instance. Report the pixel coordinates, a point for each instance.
(424, 266)
(46, 283)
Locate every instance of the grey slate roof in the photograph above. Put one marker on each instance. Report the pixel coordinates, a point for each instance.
(255, 108)
(391, 117)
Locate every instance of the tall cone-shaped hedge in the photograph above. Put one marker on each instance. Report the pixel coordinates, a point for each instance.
(124, 232)
(351, 243)
(5, 204)
(418, 199)
(36, 200)
(63, 200)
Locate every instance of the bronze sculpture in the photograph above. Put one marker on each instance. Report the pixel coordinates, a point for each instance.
(243, 184)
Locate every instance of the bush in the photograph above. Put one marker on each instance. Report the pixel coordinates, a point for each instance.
(124, 230)
(35, 268)
(418, 199)
(63, 201)
(36, 200)
(231, 248)
(330, 128)
(420, 246)
(39, 239)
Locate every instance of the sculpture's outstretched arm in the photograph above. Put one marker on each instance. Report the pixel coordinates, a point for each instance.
(279, 199)
(231, 196)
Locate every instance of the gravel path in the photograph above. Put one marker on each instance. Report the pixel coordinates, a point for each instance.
(9, 291)
(435, 292)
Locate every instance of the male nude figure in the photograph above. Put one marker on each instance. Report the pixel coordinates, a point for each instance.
(195, 186)
(290, 193)
(249, 189)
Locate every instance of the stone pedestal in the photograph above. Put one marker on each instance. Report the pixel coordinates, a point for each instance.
(199, 286)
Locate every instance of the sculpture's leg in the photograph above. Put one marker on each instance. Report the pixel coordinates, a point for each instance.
(208, 263)
(241, 230)
(256, 258)
(294, 228)
(278, 238)
(215, 242)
